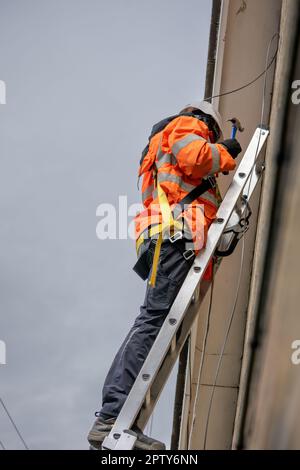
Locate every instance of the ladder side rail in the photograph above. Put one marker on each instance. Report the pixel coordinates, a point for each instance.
(167, 365)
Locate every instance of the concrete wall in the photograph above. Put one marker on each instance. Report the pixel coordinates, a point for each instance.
(245, 33)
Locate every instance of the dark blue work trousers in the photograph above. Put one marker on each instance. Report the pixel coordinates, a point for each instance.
(172, 270)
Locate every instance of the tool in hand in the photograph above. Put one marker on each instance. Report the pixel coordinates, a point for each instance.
(236, 126)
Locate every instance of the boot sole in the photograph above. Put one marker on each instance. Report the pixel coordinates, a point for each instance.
(154, 446)
(96, 441)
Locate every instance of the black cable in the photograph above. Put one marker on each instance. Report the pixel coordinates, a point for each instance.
(252, 81)
(2, 445)
(14, 424)
(190, 379)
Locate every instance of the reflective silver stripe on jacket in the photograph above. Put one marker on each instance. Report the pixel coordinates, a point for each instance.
(184, 142)
(178, 209)
(147, 193)
(165, 158)
(207, 196)
(215, 159)
(210, 197)
(175, 179)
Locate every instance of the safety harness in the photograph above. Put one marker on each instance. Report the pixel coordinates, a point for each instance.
(169, 224)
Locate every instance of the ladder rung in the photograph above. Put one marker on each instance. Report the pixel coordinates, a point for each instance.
(173, 344)
(148, 399)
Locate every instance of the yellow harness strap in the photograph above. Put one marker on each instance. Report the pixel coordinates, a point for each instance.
(150, 234)
(168, 222)
(155, 260)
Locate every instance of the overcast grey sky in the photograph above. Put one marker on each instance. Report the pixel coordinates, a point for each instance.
(86, 79)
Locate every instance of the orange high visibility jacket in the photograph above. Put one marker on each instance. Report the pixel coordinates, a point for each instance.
(178, 158)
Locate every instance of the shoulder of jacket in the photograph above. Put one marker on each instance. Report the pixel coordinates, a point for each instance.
(190, 121)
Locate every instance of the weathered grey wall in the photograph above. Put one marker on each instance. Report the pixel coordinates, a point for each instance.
(273, 405)
(246, 37)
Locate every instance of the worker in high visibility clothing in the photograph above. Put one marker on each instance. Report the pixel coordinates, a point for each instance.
(180, 196)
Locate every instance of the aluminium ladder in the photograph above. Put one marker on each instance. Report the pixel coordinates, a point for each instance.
(175, 330)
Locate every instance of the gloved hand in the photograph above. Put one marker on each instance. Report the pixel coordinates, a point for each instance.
(233, 147)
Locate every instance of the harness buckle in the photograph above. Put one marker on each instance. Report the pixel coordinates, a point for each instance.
(188, 254)
(177, 236)
(212, 181)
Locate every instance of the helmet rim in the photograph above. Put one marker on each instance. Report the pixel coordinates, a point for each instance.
(207, 108)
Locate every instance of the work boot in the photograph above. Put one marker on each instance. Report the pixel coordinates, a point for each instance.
(144, 442)
(102, 427)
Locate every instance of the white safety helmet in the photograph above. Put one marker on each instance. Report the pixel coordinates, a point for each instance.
(209, 109)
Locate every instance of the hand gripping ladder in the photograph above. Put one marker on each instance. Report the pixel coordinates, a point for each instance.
(177, 326)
